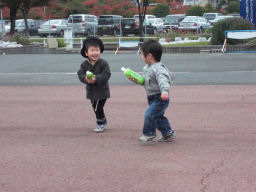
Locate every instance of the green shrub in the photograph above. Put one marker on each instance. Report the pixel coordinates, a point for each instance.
(221, 26)
(195, 11)
(61, 43)
(20, 39)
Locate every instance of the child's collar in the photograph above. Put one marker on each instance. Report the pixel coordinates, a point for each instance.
(91, 62)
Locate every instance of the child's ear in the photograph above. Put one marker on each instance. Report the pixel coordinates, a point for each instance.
(150, 56)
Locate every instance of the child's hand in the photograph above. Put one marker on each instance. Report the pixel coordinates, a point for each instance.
(91, 81)
(164, 96)
(132, 79)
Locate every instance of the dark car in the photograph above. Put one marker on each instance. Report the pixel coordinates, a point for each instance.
(109, 24)
(172, 21)
(32, 26)
(148, 28)
(129, 26)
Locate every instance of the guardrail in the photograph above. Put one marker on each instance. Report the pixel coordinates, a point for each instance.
(119, 41)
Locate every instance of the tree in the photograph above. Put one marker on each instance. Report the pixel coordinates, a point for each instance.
(142, 10)
(25, 5)
(208, 8)
(161, 10)
(233, 7)
(13, 6)
(195, 11)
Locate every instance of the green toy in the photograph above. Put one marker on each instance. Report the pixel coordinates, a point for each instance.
(132, 74)
(89, 75)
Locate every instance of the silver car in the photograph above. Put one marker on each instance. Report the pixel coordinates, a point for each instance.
(157, 23)
(83, 24)
(53, 27)
(194, 23)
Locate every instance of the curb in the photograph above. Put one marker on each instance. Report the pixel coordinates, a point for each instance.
(38, 49)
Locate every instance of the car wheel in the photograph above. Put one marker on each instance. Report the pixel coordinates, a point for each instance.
(200, 30)
(62, 33)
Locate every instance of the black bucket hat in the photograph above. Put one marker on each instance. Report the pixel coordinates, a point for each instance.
(94, 40)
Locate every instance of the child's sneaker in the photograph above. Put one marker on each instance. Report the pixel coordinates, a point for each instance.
(99, 128)
(167, 138)
(145, 138)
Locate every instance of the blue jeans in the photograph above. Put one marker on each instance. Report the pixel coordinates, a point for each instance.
(154, 117)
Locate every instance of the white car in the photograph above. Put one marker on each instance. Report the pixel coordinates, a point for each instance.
(157, 23)
(53, 27)
(194, 23)
(220, 18)
(211, 16)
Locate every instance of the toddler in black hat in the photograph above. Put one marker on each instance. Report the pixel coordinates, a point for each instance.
(97, 87)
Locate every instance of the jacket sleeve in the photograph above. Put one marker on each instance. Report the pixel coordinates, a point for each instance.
(81, 73)
(104, 75)
(162, 78)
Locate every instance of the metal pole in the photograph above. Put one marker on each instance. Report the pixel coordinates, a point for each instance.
(2, 26)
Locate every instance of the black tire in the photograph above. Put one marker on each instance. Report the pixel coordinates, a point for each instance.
(61, 33)
(200, 30)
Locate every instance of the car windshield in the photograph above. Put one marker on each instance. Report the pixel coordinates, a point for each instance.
(209, 16)
(52, 22)
(172, 19)
(20, 24)
(190, 19)
(150, 21)
(76, 19)
(127, 21)
(106, 20)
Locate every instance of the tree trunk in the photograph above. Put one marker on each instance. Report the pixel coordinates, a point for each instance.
(13, 11)
(25, 16)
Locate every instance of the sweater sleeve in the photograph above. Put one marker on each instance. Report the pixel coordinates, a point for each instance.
(162, 78)
(81, 73)
(104, 75)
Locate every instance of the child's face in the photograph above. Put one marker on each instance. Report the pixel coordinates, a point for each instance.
(93, 53)
(144, 58)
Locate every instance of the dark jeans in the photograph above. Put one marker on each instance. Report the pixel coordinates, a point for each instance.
(154, 117)
(98, 106)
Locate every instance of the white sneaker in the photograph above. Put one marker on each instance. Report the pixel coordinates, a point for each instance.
(99, 128)
(145, 138)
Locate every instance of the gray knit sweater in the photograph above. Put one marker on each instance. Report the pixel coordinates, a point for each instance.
(158, 78)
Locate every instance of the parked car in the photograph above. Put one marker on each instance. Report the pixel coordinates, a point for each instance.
(172, 21)
(109, 24)
(53, 27)
(235, 15)
(83, 24)
(129, 26)
(3, 27)
(157, 23)
(211, 16)
(146, 17)
(194, 23)
(32, 26)
(219, 18)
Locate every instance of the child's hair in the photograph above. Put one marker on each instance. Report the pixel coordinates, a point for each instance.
(153, 47)
(91, 41)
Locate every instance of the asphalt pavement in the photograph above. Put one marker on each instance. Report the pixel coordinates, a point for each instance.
(190, 69)
(47, 141)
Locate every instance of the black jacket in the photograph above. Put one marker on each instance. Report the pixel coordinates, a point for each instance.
(100, 89)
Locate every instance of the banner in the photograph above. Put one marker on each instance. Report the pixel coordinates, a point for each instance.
(248, 10)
